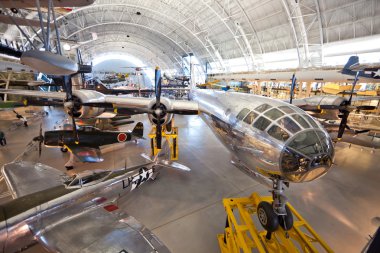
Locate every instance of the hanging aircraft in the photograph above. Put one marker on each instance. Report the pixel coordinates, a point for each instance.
(88, 140)
(366, 71)
(44, 3)
(74, 214)
(101, 87)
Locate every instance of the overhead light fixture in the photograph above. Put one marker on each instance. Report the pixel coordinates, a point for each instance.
(66, 47)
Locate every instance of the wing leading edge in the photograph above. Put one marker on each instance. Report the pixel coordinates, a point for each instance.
(101, 229)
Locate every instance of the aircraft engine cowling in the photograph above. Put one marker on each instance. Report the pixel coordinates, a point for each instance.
(165, 104)
(86, 96)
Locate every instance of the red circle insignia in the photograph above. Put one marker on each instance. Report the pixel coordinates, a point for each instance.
(122, 137)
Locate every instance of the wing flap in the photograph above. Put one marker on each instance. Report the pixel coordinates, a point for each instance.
(24, 178)
(99, 230)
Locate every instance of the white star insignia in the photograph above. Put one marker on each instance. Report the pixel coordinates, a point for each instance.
(377, 73)
(144, 174)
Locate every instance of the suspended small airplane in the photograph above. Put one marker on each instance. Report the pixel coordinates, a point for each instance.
(101, 87)
(44, 3)
(74, 214)
(88, 140)
(366, 71)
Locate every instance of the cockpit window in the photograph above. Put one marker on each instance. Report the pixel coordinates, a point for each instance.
(75, 182)
(242, 113)
(307, 156)
(289, 125)
(278, 133)
(274, 114)
(300, 120)
(307, 143)
(250, 118)
(94, 177)
(311, 121)
(262, 123)
(263, 108)
(78, 181)
(286, 109)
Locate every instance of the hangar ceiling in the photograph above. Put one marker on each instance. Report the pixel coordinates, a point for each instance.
(160, 32)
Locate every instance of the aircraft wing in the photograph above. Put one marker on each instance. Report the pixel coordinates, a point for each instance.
(33, 93)
(22, 82)
(365, 98)
(100, 229)
(40, 177)
(86, 154)
(138, 102)
(116, 101)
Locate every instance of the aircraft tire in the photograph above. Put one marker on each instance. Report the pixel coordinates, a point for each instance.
(267, 217)
(286, 221)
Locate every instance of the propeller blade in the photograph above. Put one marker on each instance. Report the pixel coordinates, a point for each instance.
(293, 86)
(353, 87)
(39, 149)
(157, 82)
(183, 112)
(362, 131)
(159, 134)
(68, 87)
(343, 124)
(75, 133)
(365, 107)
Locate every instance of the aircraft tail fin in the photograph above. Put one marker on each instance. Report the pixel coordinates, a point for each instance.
(352, 62)
(161, 161)
(138, 131)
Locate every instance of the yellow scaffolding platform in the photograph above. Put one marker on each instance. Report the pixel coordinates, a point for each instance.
(171, 138)
(243, 235)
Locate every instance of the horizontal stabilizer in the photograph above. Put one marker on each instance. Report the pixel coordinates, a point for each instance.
(39, 177)
(104, 228)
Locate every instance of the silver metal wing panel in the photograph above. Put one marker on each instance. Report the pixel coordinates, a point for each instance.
(99, 230)
(38, 94)
(24, 178)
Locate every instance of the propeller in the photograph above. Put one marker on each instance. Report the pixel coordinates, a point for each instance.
(70, 104)
(159, 110)
(346, 112)
(40, 140)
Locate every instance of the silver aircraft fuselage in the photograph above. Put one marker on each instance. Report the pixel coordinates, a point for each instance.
(35, 214)
(268, 137)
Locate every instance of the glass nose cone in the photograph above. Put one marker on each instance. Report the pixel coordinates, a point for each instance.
(307, 156)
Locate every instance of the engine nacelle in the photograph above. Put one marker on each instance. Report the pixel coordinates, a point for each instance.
(86, 96)
(164, 105)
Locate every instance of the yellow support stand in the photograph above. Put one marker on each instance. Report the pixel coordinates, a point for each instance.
(171, 138)
(243, 235)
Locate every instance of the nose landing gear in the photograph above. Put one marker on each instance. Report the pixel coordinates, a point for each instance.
(280, 234)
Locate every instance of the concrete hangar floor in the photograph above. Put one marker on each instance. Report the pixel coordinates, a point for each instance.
(184, 209)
